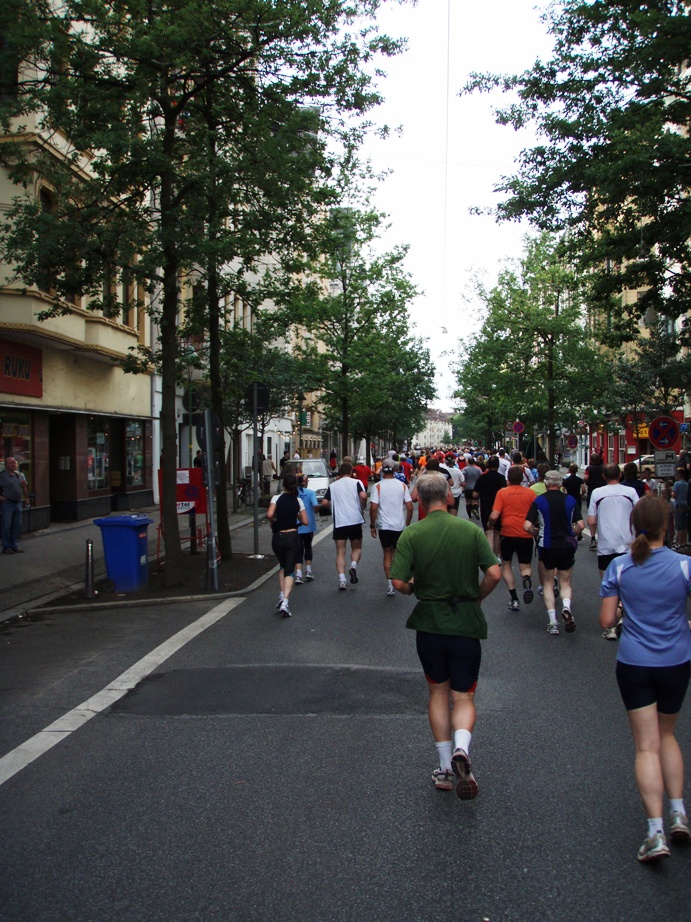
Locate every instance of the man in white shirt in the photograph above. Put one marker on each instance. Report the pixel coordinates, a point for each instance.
(609, 511)
(390, 511)
(346, 498)
(504, 463)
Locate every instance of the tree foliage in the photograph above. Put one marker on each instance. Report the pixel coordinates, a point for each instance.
(533, 360)
(187, 135)
(612, 164)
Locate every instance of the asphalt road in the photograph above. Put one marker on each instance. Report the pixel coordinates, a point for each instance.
(280, 769)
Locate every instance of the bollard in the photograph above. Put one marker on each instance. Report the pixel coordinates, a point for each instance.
(89, 590)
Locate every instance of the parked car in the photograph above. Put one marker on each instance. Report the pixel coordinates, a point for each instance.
(315, 469)
(643, 461)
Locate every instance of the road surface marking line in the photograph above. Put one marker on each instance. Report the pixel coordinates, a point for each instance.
(64, 726)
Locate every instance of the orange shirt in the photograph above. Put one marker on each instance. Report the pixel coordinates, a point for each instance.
(513, 503)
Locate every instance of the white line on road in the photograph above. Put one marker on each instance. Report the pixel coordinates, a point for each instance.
(61, 728)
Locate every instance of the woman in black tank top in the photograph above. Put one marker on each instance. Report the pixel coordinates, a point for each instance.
(286, 512)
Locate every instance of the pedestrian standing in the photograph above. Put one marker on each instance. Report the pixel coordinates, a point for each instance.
(438, 560)
(653, 665)
(11, 496)
(285, 513)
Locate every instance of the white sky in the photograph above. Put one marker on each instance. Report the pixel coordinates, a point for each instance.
(504, 36)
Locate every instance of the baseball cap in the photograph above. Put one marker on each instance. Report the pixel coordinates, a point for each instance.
(388, 464)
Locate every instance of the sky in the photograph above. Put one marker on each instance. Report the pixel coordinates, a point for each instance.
(429, 194)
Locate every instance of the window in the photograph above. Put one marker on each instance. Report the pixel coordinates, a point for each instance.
(622, 445)
(128, 306)
(97, 453)
(16, 442)
(134, 454)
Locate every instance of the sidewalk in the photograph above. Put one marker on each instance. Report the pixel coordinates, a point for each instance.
(54, 558)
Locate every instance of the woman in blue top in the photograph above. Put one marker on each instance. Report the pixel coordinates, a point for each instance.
(653, 664)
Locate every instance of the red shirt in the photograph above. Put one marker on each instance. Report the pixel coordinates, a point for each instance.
(363, 474)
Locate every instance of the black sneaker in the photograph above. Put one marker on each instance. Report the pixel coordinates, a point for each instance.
(528, 594)
(353, 575)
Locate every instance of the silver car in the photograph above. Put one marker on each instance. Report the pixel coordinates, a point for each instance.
(315, 469)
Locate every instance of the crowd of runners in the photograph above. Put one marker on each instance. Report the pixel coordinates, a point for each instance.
(531, 516)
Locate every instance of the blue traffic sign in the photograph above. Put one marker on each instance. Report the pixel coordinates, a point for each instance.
(664, 432)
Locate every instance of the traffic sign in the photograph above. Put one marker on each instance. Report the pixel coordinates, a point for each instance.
(518, 427)
(573, 441)
(664, 432)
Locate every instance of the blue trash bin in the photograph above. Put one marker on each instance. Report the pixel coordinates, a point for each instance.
(125, 545)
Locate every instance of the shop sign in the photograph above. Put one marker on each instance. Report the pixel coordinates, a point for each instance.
(21, 369)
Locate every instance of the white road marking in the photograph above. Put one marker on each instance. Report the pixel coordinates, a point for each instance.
(61, 728)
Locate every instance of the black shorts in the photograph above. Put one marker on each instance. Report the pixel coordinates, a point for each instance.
(389, 538)
(665, 686)
(521, 547)
(288, 550)
(604, 560)
(556, 558)
(447, 658)
(348, 533)
(457, 502)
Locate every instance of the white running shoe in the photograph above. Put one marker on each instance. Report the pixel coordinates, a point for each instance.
(391, 591)
(653, 848)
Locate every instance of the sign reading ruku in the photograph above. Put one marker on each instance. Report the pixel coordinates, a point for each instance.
(21, 369)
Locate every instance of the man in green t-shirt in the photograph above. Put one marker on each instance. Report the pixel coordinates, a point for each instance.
(438, 560)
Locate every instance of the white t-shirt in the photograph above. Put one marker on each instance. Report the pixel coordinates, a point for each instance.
(390, 495)
(612, 505)
(456, 481)
(344, 495)
(504, 465)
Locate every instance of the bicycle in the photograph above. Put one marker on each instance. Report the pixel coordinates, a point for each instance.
(244, 495)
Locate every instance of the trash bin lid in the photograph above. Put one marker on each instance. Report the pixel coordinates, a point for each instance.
(136, 521)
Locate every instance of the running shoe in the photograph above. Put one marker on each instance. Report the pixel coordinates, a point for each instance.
(569, 623)
(514, 606)
(610, 634)
(653, 848)
(353, 575)
(298, 580)
(284, 609)
(279, 603)
(309, 576)
(593, 544)
(553, 629)
(528, 594)
(443, 779)
(391, 591)
(556, 588)
(466, 785)
(679, 827)
(342, 585)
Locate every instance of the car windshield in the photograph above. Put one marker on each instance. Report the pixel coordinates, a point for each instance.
(313, 467)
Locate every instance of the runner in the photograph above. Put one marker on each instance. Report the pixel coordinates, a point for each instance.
(471, 473)
(285, 513)
(653, 666)
(306, 532)
(346, 498)
(443, 554)
(391, 510)
(512, 504)
(556, 518)
(487, 487)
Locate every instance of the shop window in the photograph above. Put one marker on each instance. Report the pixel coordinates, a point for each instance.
(98, 447)
(134, 454)
(16, 442)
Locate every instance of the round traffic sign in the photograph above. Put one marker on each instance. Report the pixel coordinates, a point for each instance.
(663, 432)
(518, 427)
(573, 441)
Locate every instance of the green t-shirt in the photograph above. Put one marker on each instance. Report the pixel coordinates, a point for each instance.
(444, 554)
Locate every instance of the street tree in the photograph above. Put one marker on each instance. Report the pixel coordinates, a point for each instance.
(534, 359)
(341, 295)
(611, 164)
(142, 97)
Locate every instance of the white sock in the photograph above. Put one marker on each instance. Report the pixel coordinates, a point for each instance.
(280, 596)
(390, 585)
(461, 739)
(341, 578)
(298, 574)
(566, 605)
(654, 826)
(552, 615)
(444, 754)
(353, 565)
(308, 569)
(676, 805)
